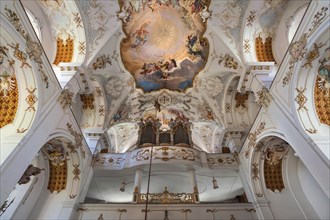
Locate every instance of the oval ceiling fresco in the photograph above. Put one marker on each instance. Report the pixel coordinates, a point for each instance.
(164, 46)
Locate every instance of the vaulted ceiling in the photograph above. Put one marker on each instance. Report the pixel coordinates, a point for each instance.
(167, 59)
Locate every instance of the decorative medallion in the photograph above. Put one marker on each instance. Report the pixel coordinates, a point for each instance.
(164, 99)
(164, 39)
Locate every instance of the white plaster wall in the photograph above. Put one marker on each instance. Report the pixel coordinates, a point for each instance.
(313, 192)
(283, 205)
(48, 206)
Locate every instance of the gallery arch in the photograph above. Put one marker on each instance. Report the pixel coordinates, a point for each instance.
(274, 174)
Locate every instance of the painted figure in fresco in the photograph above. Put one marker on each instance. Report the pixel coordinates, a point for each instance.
(149, 68)
(196, 6)
(169, 65)
(194, 46)
(140, 36)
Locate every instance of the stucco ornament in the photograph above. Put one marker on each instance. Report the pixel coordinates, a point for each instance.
(205, 13)
(273, 3)
(33, 49)
(264, 97)
(115, 86)
(230, 16)
(98, 19)
(297, 49)
(212, 85)
(123, 14)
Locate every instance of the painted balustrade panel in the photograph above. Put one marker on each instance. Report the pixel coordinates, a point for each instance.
(164, 154)
(222, 160)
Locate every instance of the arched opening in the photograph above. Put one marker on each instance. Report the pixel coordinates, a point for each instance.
(275, 178)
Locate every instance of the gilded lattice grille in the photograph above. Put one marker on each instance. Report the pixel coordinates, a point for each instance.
(322, 102)
(8, 102)
(64, 51)
(87, 100)
(273, 176)
(264, 51)
(57, 177)
(241, 99)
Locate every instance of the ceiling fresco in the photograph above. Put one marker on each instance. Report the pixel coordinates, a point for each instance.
(164, 46)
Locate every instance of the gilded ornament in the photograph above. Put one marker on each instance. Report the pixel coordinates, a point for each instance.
(101, 62)
(18, 54)
(21, 130)
(81, 47)
(78, 139)
(77, 19)
(311, 130)
(31, 99)
(101, 110)
(66, 98)
(80, 209)
(312, 55)
(297, 51)
(76, 171)
(319, 17)
(251, 18)
(264, 97)
(301, 99)
(229, 61)
(252, 137)
(246, 46)
(255, 171)
(33, 48)
(167, 197)
(259, 194)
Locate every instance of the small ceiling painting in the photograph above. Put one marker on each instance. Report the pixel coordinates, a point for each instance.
(164, 46)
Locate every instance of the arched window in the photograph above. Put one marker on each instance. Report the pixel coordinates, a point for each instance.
(296, 19)
(35, 23)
